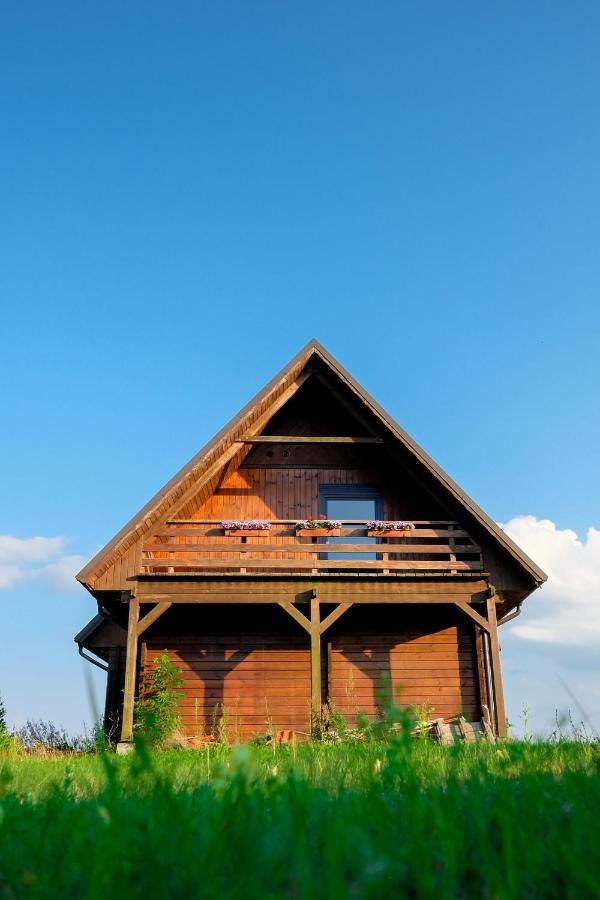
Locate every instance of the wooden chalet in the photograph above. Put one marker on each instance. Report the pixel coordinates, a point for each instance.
(270, 625)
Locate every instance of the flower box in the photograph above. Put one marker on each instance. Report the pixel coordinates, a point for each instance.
(390, 529)
(318, 532)
(246, 532)
(250, 528)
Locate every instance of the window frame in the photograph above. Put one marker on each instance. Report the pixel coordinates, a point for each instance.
(350, 492)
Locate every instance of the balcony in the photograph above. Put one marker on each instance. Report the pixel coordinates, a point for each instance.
(194, 547)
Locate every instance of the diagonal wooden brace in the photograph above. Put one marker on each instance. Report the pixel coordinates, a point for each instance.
(152, 616)
(473, 614)
(334, 616)
(296, 615)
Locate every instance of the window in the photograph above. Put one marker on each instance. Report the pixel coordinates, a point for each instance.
(350, 501)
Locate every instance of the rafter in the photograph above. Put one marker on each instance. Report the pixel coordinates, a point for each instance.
(308, 439)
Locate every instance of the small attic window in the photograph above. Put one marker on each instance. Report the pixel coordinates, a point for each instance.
(355, 502)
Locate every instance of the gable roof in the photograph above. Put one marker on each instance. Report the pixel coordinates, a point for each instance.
(251, 420)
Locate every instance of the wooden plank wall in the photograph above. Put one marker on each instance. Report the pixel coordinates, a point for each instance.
(293, 493)
(249, 682)
(427, 658)
(258, 673)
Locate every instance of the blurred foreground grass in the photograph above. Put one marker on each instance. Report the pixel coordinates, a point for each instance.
(312, 820)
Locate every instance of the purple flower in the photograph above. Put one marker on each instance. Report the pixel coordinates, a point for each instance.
(380, 525)
(250, 525)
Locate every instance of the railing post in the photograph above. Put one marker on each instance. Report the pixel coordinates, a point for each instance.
(452, 545)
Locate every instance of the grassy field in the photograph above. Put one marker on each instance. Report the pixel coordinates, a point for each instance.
(410, 818)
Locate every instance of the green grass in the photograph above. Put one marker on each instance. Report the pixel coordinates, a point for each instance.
(375, 820)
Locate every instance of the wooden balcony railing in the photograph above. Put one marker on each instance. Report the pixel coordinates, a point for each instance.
(192, 546)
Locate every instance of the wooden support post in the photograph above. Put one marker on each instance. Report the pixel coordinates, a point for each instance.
(495, 668)
(315, 665)
(315, 629)
(130, 670)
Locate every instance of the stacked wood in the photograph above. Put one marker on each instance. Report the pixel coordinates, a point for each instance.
(460, 730)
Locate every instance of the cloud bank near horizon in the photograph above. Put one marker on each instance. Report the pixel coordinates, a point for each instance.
(38, 559)
(566, 609)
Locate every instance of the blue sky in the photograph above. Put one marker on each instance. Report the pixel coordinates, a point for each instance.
(190, 192)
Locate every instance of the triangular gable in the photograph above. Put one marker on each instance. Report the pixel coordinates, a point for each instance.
(251, 421)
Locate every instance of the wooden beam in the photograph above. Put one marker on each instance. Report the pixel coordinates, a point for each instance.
(308, 439)
(333, 616)
(500, 709)
(295, 614)
(130, 670)
(404, 565)
(315, 665)
(262, 599)
(475, 589)
(153, 615)
(271, 589)
(236, 546)
(473, 614)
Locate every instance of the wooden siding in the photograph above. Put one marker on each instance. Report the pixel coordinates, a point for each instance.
(293, 493)
(258, 673)
(249, 681)
(423, 658)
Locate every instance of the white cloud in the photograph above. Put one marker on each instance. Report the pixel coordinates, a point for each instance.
(565, 610)
(37, 559)
(551, 653)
